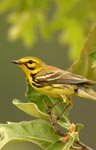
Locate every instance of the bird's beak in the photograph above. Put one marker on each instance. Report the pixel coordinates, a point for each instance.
(18, 62)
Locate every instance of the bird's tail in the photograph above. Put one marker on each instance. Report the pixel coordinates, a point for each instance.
(87, 93)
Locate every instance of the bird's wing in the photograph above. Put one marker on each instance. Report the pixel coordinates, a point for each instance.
(59, 76)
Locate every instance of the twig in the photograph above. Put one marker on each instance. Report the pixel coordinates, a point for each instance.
(76, 148)
(84, 146)
(53, 118)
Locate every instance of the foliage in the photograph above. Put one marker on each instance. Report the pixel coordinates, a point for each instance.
(32, 131)
(87, 60)
(31, 18)
(40, 131)
(26, 17)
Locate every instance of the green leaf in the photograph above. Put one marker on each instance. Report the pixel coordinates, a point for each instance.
(58, 145)
(85, 59)
(79, 126)
(37, 131)
(64, 123)
(30, 108)
(33, 110)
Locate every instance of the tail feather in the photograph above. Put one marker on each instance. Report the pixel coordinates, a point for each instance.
(87, 93)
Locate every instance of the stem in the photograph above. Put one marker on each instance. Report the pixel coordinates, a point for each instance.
(67, 120)
(53, 119)
(84, 146)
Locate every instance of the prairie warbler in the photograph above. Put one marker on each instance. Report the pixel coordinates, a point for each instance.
(53, 81)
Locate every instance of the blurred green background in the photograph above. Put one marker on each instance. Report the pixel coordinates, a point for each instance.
(13, 84)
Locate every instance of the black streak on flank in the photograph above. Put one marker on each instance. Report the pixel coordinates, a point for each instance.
(35, 83)
(30, 68)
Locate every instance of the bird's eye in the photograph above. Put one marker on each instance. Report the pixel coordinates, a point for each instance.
(30, 61)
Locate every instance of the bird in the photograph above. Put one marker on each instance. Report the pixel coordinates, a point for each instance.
(55, 82)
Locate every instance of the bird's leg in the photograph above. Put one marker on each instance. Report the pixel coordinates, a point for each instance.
(57, 103)
(64, 110)
(68, 102)
(53, 118)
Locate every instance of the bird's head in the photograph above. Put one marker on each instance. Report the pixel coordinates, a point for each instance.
(30, 65)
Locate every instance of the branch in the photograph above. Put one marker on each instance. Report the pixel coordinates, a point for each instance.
(84, 146)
